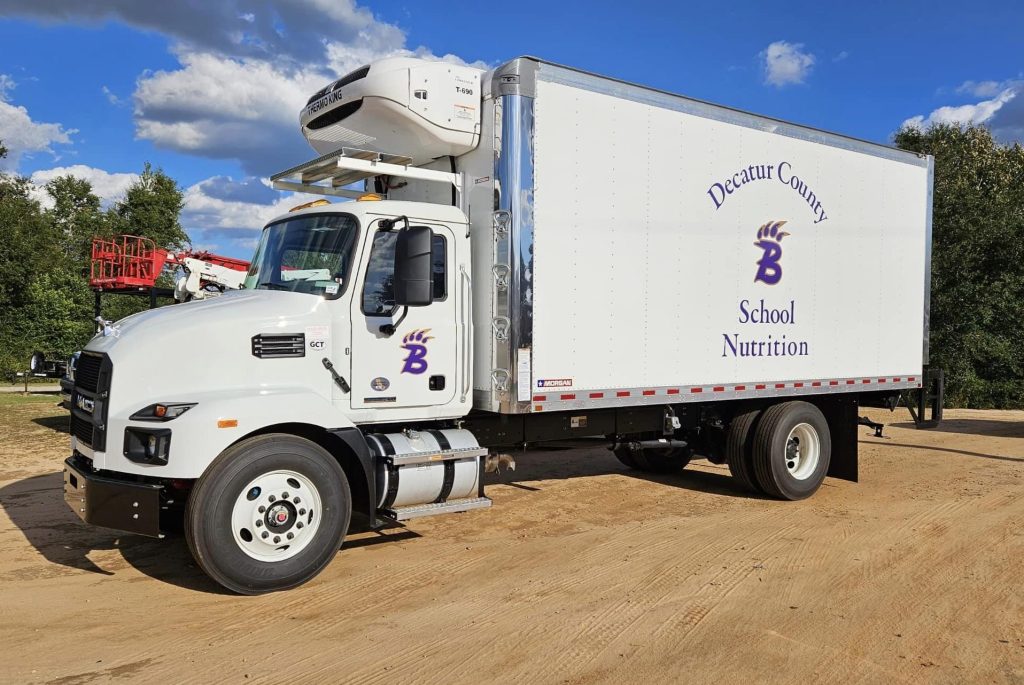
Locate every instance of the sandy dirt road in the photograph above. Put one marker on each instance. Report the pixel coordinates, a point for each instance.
(582, 572)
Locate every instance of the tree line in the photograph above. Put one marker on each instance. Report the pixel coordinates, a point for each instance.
(977, 318)
(45, 301)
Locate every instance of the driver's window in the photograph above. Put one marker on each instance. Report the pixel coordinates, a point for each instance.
(379, 289)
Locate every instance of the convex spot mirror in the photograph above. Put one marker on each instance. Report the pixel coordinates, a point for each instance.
(414, 283)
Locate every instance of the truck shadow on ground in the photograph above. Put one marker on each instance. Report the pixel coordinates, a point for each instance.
(61, 424)
(996, 429)
(36, 506)
(592, 458)
(934, 448)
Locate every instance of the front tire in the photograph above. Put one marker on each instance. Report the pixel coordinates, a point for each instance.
(269, 514)
(792, 448)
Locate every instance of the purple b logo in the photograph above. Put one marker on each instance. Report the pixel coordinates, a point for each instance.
(769, 239)
(415, 343)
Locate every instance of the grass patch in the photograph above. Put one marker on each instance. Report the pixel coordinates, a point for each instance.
(10, 399)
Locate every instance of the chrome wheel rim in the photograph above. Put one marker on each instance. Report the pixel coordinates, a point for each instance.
(276, 515)
(803, 451)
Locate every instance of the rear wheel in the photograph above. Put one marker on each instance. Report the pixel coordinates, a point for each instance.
(739, 449)
(792, 447)
(659, 460)
(269, 514)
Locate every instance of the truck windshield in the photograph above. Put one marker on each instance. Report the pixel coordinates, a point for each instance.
(307, 254)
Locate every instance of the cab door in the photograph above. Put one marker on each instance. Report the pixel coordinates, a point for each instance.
(416, 366)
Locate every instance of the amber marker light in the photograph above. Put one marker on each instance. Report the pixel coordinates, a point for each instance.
(227, 423)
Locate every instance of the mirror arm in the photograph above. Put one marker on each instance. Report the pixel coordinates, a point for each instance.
(389, 329)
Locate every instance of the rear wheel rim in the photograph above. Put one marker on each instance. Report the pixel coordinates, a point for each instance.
(803, 451)
(276, 515)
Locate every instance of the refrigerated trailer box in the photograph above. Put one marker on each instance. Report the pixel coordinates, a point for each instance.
(659, 245)
(538, 254)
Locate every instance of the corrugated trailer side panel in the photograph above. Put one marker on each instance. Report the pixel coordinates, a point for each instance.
(652, 273)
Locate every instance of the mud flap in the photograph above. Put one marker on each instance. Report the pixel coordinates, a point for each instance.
(843, 420)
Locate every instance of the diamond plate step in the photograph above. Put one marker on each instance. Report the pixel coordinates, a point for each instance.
(449, 507)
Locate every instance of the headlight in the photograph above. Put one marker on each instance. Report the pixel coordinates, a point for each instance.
(163, 411)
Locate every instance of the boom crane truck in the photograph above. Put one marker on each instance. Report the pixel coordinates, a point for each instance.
(538, 254)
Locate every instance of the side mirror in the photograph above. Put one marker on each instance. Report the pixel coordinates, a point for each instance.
(414, 282)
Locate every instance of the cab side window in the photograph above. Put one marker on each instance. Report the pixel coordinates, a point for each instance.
(379, 289)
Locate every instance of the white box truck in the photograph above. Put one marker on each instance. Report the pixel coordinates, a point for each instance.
(538, 254)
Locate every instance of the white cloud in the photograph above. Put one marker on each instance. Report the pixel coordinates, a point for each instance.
(786, 63)
(22, 136)
(267, 29)
(994, 112)
(7, 84)
(109, 187)
(112, 98)
(981, 89)
(246, 69)
(841, 56)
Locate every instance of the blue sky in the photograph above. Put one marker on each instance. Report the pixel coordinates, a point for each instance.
(210, 91)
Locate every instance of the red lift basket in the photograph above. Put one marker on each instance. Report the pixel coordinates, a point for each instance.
(126, 261)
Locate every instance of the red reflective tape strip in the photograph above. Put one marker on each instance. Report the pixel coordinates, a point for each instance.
(718, 388)
(881, 380)
(816, 384)
(570, 396)
(833, 382)
(798, 385)
(539, 398)
(648, 392)
(596, 395)
(759, 387)
(740, 387)
(696, 389)
(896, 380)
(673, 391)
(780, 385)
(850, 382)
(866, 380)
(911, 379)
(622, 393)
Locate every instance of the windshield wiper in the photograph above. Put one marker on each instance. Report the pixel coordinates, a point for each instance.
(273, 286)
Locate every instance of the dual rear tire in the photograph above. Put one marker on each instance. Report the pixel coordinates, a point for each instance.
(782, 451)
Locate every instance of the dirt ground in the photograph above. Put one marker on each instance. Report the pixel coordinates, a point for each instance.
(581, 572)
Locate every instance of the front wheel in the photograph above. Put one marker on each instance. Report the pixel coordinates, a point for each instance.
(792, 448)
(269, 514)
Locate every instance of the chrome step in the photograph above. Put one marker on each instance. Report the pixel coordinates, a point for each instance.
(425, 457)
(449, 507)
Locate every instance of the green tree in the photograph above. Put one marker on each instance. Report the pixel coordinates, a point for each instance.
(76, 216)
(151, 207)
(977, 321)
(28, 249)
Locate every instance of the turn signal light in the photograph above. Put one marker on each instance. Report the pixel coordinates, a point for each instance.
(227, 423)
(369, 197)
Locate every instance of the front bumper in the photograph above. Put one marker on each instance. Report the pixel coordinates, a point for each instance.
(129, 506)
